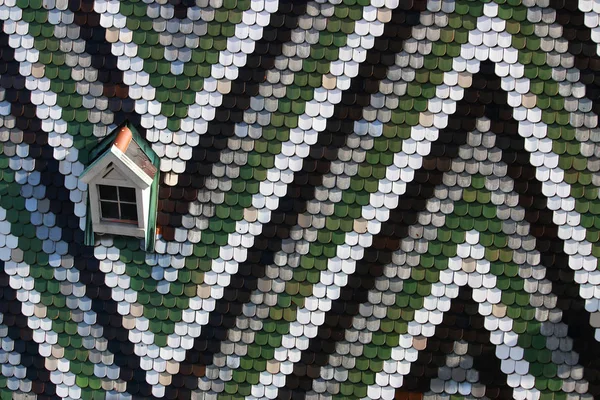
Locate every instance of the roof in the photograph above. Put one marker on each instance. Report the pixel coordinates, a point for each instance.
(125, 140)
(357, 199)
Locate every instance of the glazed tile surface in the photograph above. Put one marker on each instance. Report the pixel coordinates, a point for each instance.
(384, 199)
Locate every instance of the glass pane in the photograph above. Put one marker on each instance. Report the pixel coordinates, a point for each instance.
(129, 212)
(127, 194)
(109, 210)
(107, 192)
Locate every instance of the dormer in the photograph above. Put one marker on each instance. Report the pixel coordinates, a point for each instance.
(122, 178)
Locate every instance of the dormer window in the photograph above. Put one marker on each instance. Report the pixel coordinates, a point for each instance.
(122, 183)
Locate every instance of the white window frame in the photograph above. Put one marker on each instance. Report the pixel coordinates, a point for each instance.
(113, 227)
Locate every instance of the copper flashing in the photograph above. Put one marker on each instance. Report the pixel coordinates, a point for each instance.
(123, 139)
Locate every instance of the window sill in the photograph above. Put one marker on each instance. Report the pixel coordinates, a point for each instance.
(115, 228)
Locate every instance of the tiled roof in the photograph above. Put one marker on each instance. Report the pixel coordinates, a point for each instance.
(386, 199)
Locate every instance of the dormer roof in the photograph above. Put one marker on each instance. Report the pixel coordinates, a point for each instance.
(125, 147)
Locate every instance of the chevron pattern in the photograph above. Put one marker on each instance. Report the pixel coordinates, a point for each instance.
(359, 199)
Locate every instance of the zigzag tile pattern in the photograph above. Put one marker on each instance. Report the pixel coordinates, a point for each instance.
(359, 199)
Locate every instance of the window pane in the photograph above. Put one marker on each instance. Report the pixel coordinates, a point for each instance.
(127, 194)
(129, 212)
(117, 203)
(109, 210)
(107, 192)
